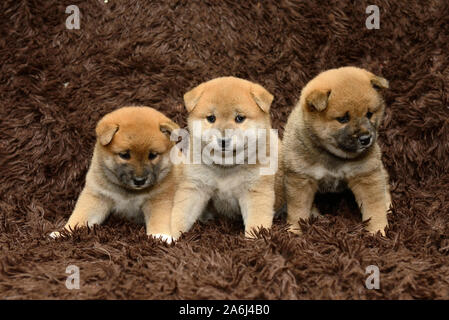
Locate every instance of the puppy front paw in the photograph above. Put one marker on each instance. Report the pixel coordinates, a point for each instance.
(293, 226)
(315, 212)
(163, 237)
(295, 229)
(55, 235)
(374, 226)
(65, 232)
(250, 235)
(373, 229)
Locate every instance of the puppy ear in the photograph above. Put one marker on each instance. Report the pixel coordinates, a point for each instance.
(262, 97)
(105, 131)
(167, 127)
(318, 99)
(379, 82)
(192, 97)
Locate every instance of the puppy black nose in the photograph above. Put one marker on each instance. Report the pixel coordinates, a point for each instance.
(139, 181)
(365, 139)
(225, 143)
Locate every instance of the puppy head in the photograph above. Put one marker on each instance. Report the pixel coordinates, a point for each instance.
(342, 110)
(134, 145)
(228, 104)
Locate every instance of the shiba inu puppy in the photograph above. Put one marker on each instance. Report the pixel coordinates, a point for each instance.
(330, 144)
(130, 174)
(232, 187)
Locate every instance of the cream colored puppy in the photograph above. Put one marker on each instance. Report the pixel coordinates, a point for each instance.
(232, 187)
(130, 173)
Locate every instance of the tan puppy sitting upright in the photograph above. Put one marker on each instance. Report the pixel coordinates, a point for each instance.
(130, 173)
(330, 144)
(220, 105)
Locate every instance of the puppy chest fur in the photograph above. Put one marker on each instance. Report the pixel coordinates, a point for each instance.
(126, 205)
(129, 208)
(225, 186)
(228, 189)
(331, 184)
(328, 180)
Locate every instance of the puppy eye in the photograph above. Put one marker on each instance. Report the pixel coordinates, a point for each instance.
(369, 114)
(343, 119)
(211, 119)
(240, 119)
(125, 155)
(152, 155)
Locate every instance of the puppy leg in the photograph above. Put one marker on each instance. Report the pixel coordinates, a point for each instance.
(188, 204)
(387, 188)
(90, 209)
(315, 212)
(157, 214)
(373, 198)
(300, 192)
(257, 206)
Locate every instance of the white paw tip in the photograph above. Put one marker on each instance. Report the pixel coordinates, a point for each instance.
(163, 237)
(54, 235)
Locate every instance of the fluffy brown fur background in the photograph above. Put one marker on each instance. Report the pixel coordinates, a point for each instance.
(56, 83)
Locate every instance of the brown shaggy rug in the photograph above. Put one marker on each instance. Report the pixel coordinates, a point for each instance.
(56, 83)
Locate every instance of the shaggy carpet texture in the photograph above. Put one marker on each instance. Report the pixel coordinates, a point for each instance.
(56, 83)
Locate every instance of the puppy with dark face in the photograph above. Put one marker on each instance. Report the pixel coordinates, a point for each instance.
(330, 144)
(130, 173)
